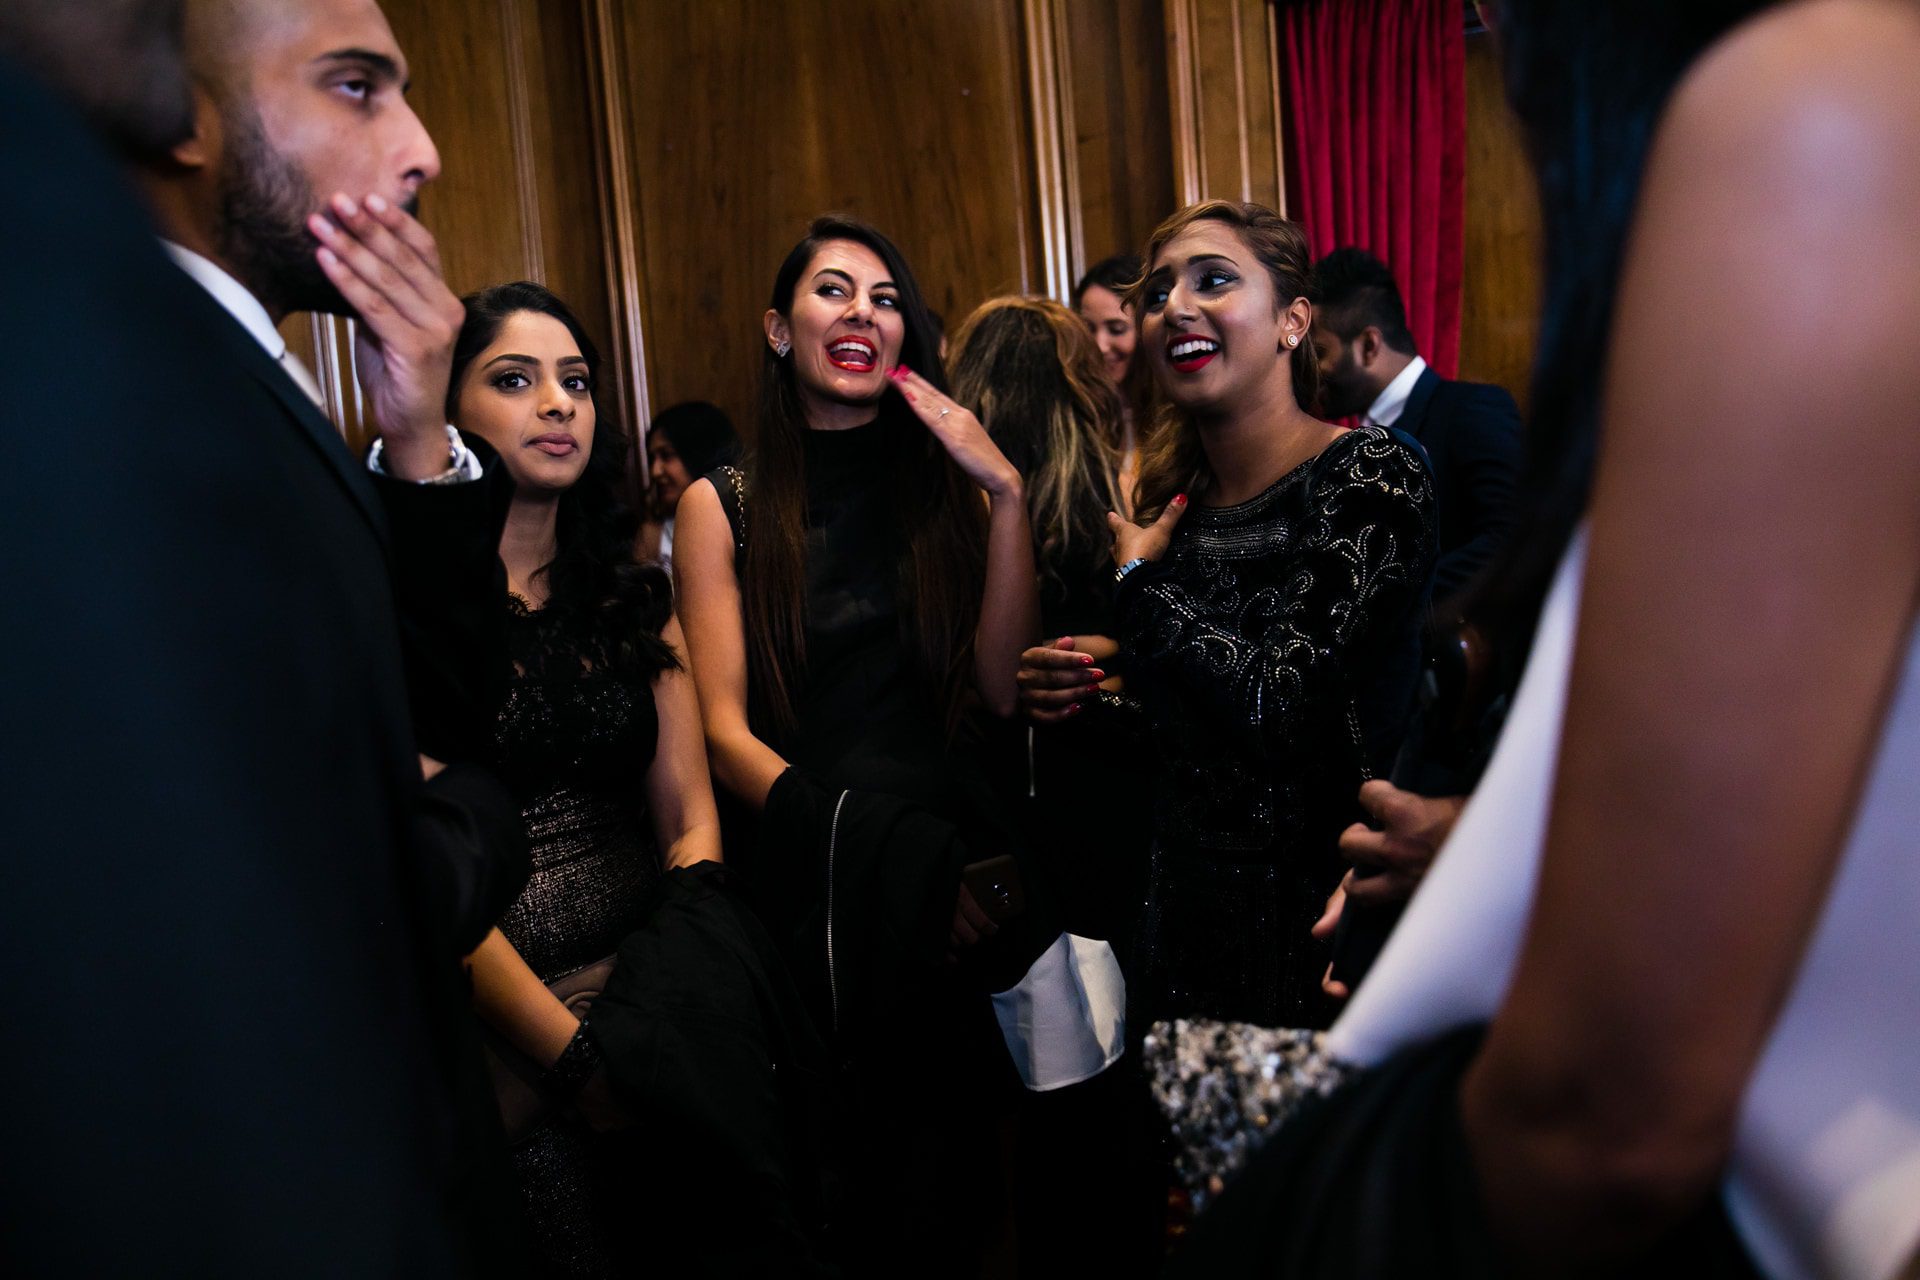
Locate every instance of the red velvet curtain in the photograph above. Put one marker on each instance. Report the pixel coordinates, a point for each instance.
(1373, 93)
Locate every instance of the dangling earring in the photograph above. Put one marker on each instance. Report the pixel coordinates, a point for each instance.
(781, 348)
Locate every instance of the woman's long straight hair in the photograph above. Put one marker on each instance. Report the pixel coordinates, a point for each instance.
(1171, 459)
(1589, 83)
(941, 566)
(1029, 370)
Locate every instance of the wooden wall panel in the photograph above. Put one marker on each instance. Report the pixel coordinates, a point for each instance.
(1500, 298)
(742, 120)
(1222, 62)
(1115, 64)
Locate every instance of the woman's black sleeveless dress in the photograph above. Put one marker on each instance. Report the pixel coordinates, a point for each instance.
(917, 1157)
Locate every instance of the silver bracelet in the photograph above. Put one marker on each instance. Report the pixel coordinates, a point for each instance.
(454, 474)
(1120, 574)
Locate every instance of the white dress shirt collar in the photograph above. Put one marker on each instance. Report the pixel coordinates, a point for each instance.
(232, 295)
(463, 463)
(1392, 400)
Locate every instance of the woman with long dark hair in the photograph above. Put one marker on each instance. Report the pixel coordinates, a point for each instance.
(1661, 980)
(854, 595)
(600, 734)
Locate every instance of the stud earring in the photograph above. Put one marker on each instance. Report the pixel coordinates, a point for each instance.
(781, 348)
(1293, 339)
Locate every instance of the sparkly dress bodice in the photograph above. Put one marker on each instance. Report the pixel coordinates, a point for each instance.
(575, 744)
(1274, 652)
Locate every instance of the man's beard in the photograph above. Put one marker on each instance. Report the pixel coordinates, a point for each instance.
(1341, 392)
(265, 200)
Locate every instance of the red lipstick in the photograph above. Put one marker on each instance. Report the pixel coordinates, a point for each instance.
(855, 355)
(1189, 352)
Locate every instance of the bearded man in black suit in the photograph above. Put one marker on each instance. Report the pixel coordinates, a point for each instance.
(234, 911)
(1470, 430)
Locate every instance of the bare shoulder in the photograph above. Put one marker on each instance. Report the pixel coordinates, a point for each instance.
(1771, 285)
(701, 513)
(703, 546)
(1778, 204)
(1817, 88)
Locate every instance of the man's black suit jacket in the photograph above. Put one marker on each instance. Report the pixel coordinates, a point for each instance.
(1471, 432)
(231, 914)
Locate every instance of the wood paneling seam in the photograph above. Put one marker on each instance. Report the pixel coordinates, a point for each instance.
(520, 113)
(1189, 161)
(1279, 133)
(623, 234)
(1049, 148)
(1240, 109)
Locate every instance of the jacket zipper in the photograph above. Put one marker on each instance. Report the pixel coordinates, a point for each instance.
(1359, 740)
(833, 978)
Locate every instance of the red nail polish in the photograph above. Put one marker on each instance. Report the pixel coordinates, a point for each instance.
(1086, 660)
(1180, 498)
(1096, 676)
(1064, 640)
(1074, 710)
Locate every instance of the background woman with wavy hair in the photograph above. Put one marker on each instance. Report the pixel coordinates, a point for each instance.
(1033, 375)
(1271, 635)
(1028, 369)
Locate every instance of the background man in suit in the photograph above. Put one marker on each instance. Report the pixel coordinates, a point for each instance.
(233, 912)
(1471, 431)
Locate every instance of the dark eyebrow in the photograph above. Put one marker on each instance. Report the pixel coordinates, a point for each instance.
(835, 271)
(382, 67)
(517, 358)
(1199, 258)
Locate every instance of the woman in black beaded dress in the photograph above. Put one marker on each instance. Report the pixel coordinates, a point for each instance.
(600, 733)
(1270, 629)
(852, 596)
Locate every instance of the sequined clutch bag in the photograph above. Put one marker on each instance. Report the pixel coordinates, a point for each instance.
(1226, 1087)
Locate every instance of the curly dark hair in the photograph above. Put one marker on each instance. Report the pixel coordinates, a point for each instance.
(602, 605)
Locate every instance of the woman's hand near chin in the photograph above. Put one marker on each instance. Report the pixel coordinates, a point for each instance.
(959, 433)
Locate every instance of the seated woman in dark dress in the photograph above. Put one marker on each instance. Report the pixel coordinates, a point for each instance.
(851, 597)
(600, 734)
(1270, 632)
